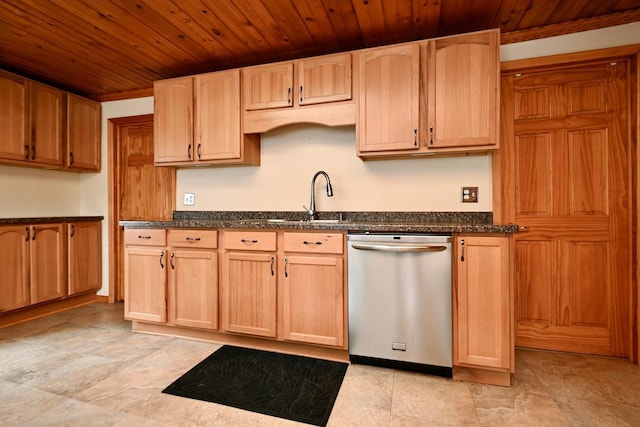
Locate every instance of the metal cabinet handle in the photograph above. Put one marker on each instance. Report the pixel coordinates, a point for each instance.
(189, 151)
(415, 137)
(173, 267)
(192, 239)
(301, 98)
(198, 151)
(248, 241)
(26, 152)
(143, 237)
(286, 263)
(33, 152)
(289, 96)
(70, 158)
(161, 256)
(462, 254)
(28, 233)
(430, 136)
(73, 230)
(273, 260)
(389, 248)
(306, 242)
(33, 233)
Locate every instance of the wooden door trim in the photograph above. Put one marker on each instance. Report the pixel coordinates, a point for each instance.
(115, 238)
(504, 195)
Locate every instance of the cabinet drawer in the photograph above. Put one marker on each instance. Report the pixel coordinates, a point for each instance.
(324, 243)
(250, 240)
(145, 236)
(193, 238)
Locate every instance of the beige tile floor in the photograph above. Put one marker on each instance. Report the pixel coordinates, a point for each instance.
(84, 367)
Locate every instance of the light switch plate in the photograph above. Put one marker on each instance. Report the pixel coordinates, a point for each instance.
(189, 199)
(469, 194)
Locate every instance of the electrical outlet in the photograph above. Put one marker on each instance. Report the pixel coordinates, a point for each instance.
(469, 194)
(189, 199)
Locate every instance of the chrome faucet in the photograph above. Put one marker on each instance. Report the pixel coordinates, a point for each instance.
(312, 205)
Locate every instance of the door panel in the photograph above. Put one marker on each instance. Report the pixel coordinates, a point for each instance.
(566, 163)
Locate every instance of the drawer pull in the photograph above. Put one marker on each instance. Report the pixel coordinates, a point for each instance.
(143, 237)
(192, 239)
(306, 242)
(248, 241)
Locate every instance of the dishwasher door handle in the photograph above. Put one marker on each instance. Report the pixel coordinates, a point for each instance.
(405, 248)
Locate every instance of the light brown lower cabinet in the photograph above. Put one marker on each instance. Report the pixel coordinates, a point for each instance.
(44, 263)
(145, 275)
(483, 329)
(250, 283)
(314, 288)
(193, 278)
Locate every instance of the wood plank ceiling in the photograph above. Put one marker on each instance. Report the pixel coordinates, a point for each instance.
(112, 49)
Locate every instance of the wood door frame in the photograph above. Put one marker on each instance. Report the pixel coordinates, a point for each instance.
(115, 232)
(501, 192)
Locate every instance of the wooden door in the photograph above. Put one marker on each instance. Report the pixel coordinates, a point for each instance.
(47, 124)
(145, 284)
(14, 117)
(173, 110)
(268, 86)
(250, 293)
(140, 190)
(566, 180)
(48, 262)
(83, 134)
(482, 302)
(193, 288)
(462, 90)
(14, 274)
(84, 256)
(324, 79)
(313, 301)
(389, 109)
(217, 104)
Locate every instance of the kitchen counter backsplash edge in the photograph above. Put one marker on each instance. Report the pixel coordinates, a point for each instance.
(48, 220)
(397, 222)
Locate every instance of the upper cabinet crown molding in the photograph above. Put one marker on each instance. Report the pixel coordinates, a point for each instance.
(40, 124)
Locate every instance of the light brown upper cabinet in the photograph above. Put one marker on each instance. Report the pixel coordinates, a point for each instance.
(83, 134)
(33, 117)
(315, 81)
(198, 122)
(428, 97)
(388, 112)
(462, 85)
(311, 90)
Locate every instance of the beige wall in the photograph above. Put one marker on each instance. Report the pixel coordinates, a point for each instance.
(290, 156)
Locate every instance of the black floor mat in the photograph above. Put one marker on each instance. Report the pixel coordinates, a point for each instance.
(293, 387)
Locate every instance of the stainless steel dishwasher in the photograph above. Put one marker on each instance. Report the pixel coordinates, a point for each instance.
(400, 301)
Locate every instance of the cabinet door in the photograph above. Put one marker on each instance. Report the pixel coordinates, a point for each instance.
(268, 86)
(193, 288)
(145, 284)
(14, 117)
(324, 79)
(83, 134)
(48, 263)
(388, 112)
(482, 329)
(47, 119)
(173, 120)
(314, 300)
(14, 274)
(463, 91)
(84, 256)
(217, 103)
(250, 293)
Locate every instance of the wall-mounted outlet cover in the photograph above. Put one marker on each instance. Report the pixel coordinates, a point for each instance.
(469, 194)
(189, 199)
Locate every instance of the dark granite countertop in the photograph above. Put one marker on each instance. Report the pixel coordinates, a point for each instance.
(48, 220)
(375, 222)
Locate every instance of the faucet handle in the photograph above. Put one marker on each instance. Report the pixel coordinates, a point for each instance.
(307, 210)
